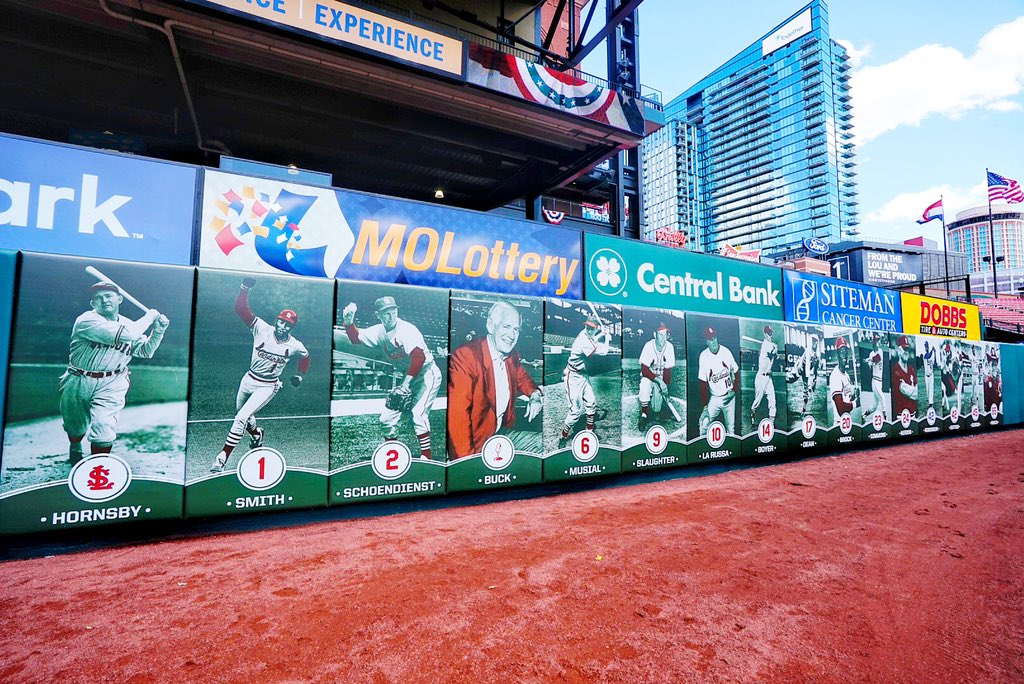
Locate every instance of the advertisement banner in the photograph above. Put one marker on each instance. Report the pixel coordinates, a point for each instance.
(806, 386)
(582, 389)
(815, 299)
(97, 394)
(60, 199)
(388, 393)
(357, 27)
(495, 404)
(270, 226)
(642, 274)
(653, 388)
(257, 424)
(939, 317)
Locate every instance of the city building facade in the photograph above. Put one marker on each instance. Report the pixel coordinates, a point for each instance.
(765, 155)
(969, 233)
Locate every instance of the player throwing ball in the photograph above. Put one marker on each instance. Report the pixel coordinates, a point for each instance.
(272, 348)
(841, 389)
(719, 375)
(578, 390)
(93, 389)
(764, 385)
(401, 344)
(657, 359)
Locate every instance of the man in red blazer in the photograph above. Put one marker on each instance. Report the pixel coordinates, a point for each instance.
(484, 378)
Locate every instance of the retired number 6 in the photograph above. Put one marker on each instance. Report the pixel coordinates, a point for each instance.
(585, 446)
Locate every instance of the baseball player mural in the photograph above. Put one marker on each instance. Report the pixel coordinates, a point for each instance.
(765, 418)
(904, 384)
(120, 368)
(388, 417)
(980, 363)
(844, 394)
(993, 386)
(653, 387)
(258, 434)
(713, 386)
(806, 382)
(876, 359)
(928, 351)
(582, 386)
(273, 347)
(495, 402)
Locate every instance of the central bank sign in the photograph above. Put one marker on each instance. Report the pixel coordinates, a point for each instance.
(272, 226)
(627, 272)
(816, 299)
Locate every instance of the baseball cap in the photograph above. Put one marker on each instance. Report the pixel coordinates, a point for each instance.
(903, 342)
(104, 285)
(662, 327)
(710, 333)
(384, 303)
(768, 330)
(841, 343)
(288, 316)
(592, 322)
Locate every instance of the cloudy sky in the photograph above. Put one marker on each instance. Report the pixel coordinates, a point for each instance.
(937, 90)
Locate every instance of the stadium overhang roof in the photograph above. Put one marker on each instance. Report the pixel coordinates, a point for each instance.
(185, 82)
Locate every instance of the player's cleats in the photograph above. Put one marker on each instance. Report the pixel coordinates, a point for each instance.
(641, 424)
(75, 452)
(256, 438)
(219, 463)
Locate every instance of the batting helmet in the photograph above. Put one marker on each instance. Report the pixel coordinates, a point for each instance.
(288, 316)
(768, 330)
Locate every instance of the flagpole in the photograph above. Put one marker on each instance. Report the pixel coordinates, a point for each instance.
(991, 239)
(945, 251)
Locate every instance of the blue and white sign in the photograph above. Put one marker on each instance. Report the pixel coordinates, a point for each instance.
(68, 200)
(816, 245)
(812, 298)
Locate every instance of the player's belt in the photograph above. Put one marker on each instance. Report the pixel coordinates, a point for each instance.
(95, 374)
(261, 378)
(764, 373)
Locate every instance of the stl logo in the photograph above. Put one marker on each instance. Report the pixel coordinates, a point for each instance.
(608, 272)
(100, 478)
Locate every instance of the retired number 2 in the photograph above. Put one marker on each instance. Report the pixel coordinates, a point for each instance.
(392, 458)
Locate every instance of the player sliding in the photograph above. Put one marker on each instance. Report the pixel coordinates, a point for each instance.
(272, 348)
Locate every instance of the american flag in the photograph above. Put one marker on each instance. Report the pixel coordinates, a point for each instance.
(1004, 189)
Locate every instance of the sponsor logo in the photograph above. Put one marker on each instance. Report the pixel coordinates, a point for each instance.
(717, 289)
(808, 297)
(815, 245)
(271, 225)
(608, 271)
(50, 200)
(100, 478)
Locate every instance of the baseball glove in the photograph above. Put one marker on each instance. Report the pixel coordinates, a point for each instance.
(399, 399)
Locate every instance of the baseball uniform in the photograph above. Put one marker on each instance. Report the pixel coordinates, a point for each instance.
(655, 363)
(904, 385)
(841, 392)
(875, 359)
(406, 350)
(719, 372)
(764, 384)
(807, 366)
(93, 388)
(578, 390)
(929, 374)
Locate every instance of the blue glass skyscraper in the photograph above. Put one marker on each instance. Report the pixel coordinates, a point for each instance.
(772, 130)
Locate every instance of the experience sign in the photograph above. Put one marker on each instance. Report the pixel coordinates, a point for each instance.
(641, 274)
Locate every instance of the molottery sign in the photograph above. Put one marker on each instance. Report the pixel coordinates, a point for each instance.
(68, 200)
(271, 226)
(640, 274)
(816, 299)
(940, 317)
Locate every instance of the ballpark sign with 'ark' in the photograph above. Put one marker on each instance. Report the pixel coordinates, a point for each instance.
(271, 226)
(815, 299)
(627, 272)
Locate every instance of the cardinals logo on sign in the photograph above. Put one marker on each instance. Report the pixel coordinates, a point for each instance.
(261, 224)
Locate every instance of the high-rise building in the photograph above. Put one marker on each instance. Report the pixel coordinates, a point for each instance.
(759, 153)
(969, 233)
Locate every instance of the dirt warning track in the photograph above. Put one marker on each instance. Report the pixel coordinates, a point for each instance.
(903, 564)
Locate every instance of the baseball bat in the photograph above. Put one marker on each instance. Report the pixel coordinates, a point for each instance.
(672, 408)
(93, 271)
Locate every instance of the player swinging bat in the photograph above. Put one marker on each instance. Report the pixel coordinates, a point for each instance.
(272, 348)
(103, 342)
